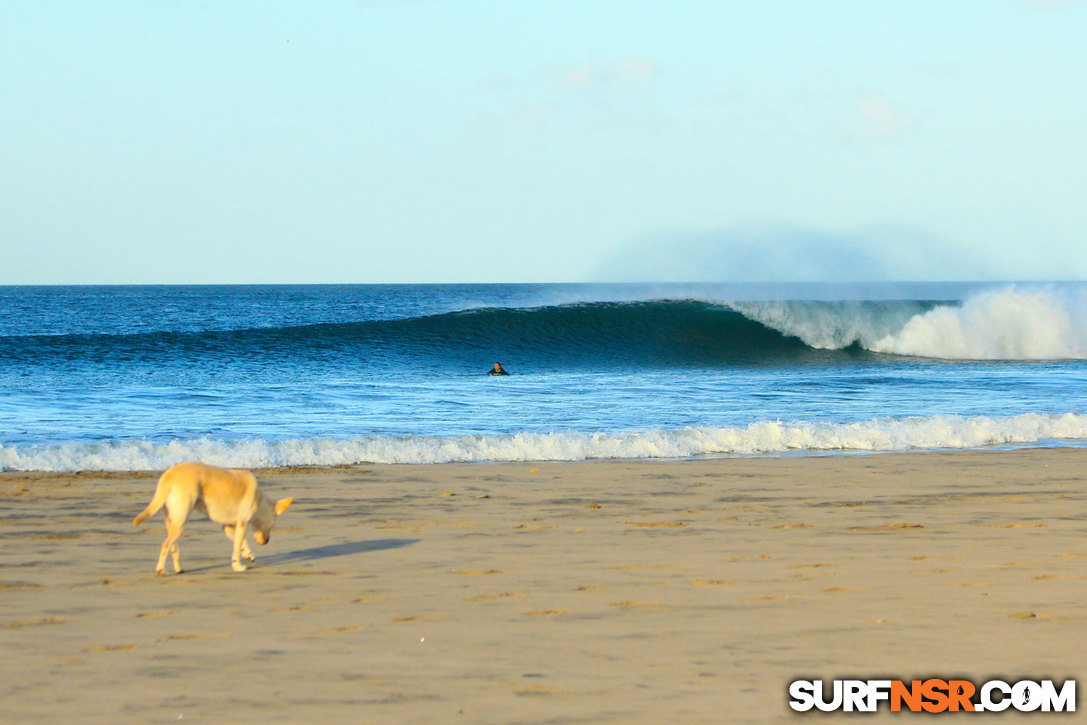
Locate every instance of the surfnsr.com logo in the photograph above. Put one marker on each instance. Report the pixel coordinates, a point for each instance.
(932, 695)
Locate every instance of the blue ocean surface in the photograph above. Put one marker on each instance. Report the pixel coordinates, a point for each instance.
(142, 377)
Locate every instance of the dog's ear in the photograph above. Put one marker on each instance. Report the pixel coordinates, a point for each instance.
(282, 504)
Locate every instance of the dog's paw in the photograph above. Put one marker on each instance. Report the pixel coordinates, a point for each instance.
(250, 558)
(237, 566)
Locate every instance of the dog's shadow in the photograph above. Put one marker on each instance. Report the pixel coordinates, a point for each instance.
(316, 553)
(332, 550)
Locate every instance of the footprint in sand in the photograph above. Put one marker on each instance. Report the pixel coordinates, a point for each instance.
(141, 615)
(1049, 577)
(634, 603)
(186, 637)
(34, 622)
(657, 524)
(547, 612)
(110, 648)
(1023, 615)
(710, 582)
(420, 618)
(403, 527)
(884, 528)
(811, 571)
(488, 597)
(535, 690)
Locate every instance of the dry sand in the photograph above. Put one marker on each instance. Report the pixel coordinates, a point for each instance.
(591, 592)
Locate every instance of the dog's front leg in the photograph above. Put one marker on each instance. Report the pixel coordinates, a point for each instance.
(247, 553)
(239, 542)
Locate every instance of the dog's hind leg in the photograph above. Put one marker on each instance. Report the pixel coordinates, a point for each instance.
(173, 533)
(247, 553)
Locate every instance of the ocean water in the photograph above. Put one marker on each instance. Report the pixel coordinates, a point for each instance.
(142, 377)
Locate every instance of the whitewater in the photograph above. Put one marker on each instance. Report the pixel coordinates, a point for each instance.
(142, 377)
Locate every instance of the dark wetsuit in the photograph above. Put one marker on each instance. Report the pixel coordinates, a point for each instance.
(499, 371)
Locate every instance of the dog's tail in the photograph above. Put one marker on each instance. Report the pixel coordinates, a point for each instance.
(156, 502)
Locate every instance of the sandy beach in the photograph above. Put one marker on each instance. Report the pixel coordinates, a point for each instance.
(596, 592)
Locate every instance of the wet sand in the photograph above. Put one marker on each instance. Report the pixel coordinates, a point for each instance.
(597, 592)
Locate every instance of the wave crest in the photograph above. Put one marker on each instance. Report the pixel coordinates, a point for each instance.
(1008, 325)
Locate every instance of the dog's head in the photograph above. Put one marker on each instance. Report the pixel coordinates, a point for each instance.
(266, 519)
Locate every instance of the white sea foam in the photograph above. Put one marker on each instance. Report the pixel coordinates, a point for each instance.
(1009, 324)
(768, 437)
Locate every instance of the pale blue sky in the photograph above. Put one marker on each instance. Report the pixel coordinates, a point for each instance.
(442, 141)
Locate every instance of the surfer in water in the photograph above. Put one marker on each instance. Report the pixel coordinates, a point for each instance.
(498, 370)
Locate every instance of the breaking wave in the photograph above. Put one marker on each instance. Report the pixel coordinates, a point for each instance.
(996, 325)
(765, 438)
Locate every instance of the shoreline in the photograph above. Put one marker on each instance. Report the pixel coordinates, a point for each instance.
(594, 591)
(756, 439)
(316, 468)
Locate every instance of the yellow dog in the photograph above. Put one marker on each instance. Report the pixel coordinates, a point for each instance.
(228, 496)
